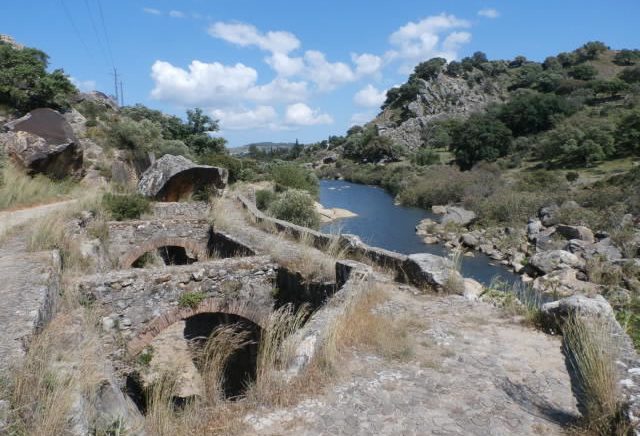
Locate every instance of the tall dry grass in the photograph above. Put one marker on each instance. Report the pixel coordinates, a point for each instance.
(592, 353)
(455, 283)
(19, 189)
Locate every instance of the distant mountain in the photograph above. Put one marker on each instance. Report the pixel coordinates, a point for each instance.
(263, 146)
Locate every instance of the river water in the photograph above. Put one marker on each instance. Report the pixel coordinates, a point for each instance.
(383, 224)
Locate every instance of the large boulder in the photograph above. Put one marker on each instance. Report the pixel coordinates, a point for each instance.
(576, 232)
(172, 178)
(458, 215)
(578, 305)
(548, 261)
(43, 142)
(425, 270)
(563, 283)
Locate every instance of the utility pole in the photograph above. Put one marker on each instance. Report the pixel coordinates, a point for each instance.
(121, 95)
(115, 83)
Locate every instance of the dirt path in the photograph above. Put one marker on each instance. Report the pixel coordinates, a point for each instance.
(13, 218)
(473, 373)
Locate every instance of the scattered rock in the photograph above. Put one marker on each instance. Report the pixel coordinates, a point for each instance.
(171, 178)
(469, 240)
(576, 232)
(563, 283)
(472, 289)
(533, 228)
(578, 304)
(332, 214)
(548, 261)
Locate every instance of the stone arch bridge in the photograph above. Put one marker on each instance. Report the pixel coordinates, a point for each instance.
(140, 303)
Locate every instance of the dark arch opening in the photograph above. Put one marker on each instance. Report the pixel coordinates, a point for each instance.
(169, 255)
(241, 366)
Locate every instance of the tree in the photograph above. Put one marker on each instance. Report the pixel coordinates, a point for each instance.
(583, 72)
(518, 61)
(628, 133)
(479, 58)
(198, 122)
(25, 83)
(552, 63)
(480, 137)
(531, 112)
(609, 87)
(199, 127)
(454, 69)
(429, 69)
(579, 140)
(630, 75)
(591, 50)
(627, 57)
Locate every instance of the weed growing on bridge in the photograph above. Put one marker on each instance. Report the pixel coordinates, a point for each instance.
(191, 300)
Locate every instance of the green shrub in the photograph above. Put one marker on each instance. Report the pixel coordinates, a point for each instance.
(191, 299)
(264, 198)
(480, 137)
(583, 72)
(297, 207)
(292, 176)
(426, 156)
(572, 176)
(125, 206)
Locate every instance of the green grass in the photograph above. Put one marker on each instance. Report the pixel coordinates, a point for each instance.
(191, 299)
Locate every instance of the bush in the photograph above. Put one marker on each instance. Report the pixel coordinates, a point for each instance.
(238, 168)
(264, 198)
(572, 176)
(297, 207)
(628, 133)
(583, 72)
(292, 176)
(530, 112)
(125, 206)
(191, 300)
(480, 137)
(426, 156)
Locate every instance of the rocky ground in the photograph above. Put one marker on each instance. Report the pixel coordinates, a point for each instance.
(473, 372)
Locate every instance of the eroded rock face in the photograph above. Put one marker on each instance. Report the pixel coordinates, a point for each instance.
(43, 142)
(171, 178)
(440, 98)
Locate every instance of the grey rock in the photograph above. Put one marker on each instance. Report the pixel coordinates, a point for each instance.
(548, 261)
(171, 178)
(578, 305)
(43, 142)
(472, 289)
(458, 215)
(533, 228)
(606, 249)
(547, 215)
(576, 232)
(425, 270)
(469, 240)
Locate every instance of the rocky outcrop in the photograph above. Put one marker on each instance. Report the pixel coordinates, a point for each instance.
(103, 101)
(328, 215)
(43, 142)
(172, 178)
(440, 98)
(548, 261)
(455, 215)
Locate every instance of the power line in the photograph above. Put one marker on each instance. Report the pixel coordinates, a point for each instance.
(104, 29)
(95, 31)
(75, 29)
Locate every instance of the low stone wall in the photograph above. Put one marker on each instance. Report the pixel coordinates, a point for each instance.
(129, 240)
(138, 302)
(350, 243)
(182, 210)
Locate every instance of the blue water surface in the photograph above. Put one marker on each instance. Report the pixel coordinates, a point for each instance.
(382, 223)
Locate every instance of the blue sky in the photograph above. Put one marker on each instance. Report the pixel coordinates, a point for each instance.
(285, 70)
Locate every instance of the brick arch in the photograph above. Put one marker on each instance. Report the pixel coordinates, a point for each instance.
(198, 248)
(252, 312)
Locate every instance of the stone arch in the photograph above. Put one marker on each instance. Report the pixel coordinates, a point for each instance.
(251, 312)
(198, 248)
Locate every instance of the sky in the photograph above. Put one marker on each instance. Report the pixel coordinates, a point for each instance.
(284, 70)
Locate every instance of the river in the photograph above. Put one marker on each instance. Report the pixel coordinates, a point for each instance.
(382, 223)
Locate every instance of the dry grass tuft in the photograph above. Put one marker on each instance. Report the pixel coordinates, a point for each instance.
(19, 189)
(589, 348)
(455, 281)
(362, 326)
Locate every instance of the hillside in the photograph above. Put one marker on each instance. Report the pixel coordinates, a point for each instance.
(265, 147)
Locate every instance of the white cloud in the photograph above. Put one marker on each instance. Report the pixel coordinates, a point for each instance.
(206, 84)
(246, 35)
(369, 96)
(366, 63)
(279, 89)
(489, 13)
(285, 65)
(422, 40)
(84, 85)
(176, 14)
(325, 74)
(152, 11)
(299, 114)
(242, 119)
